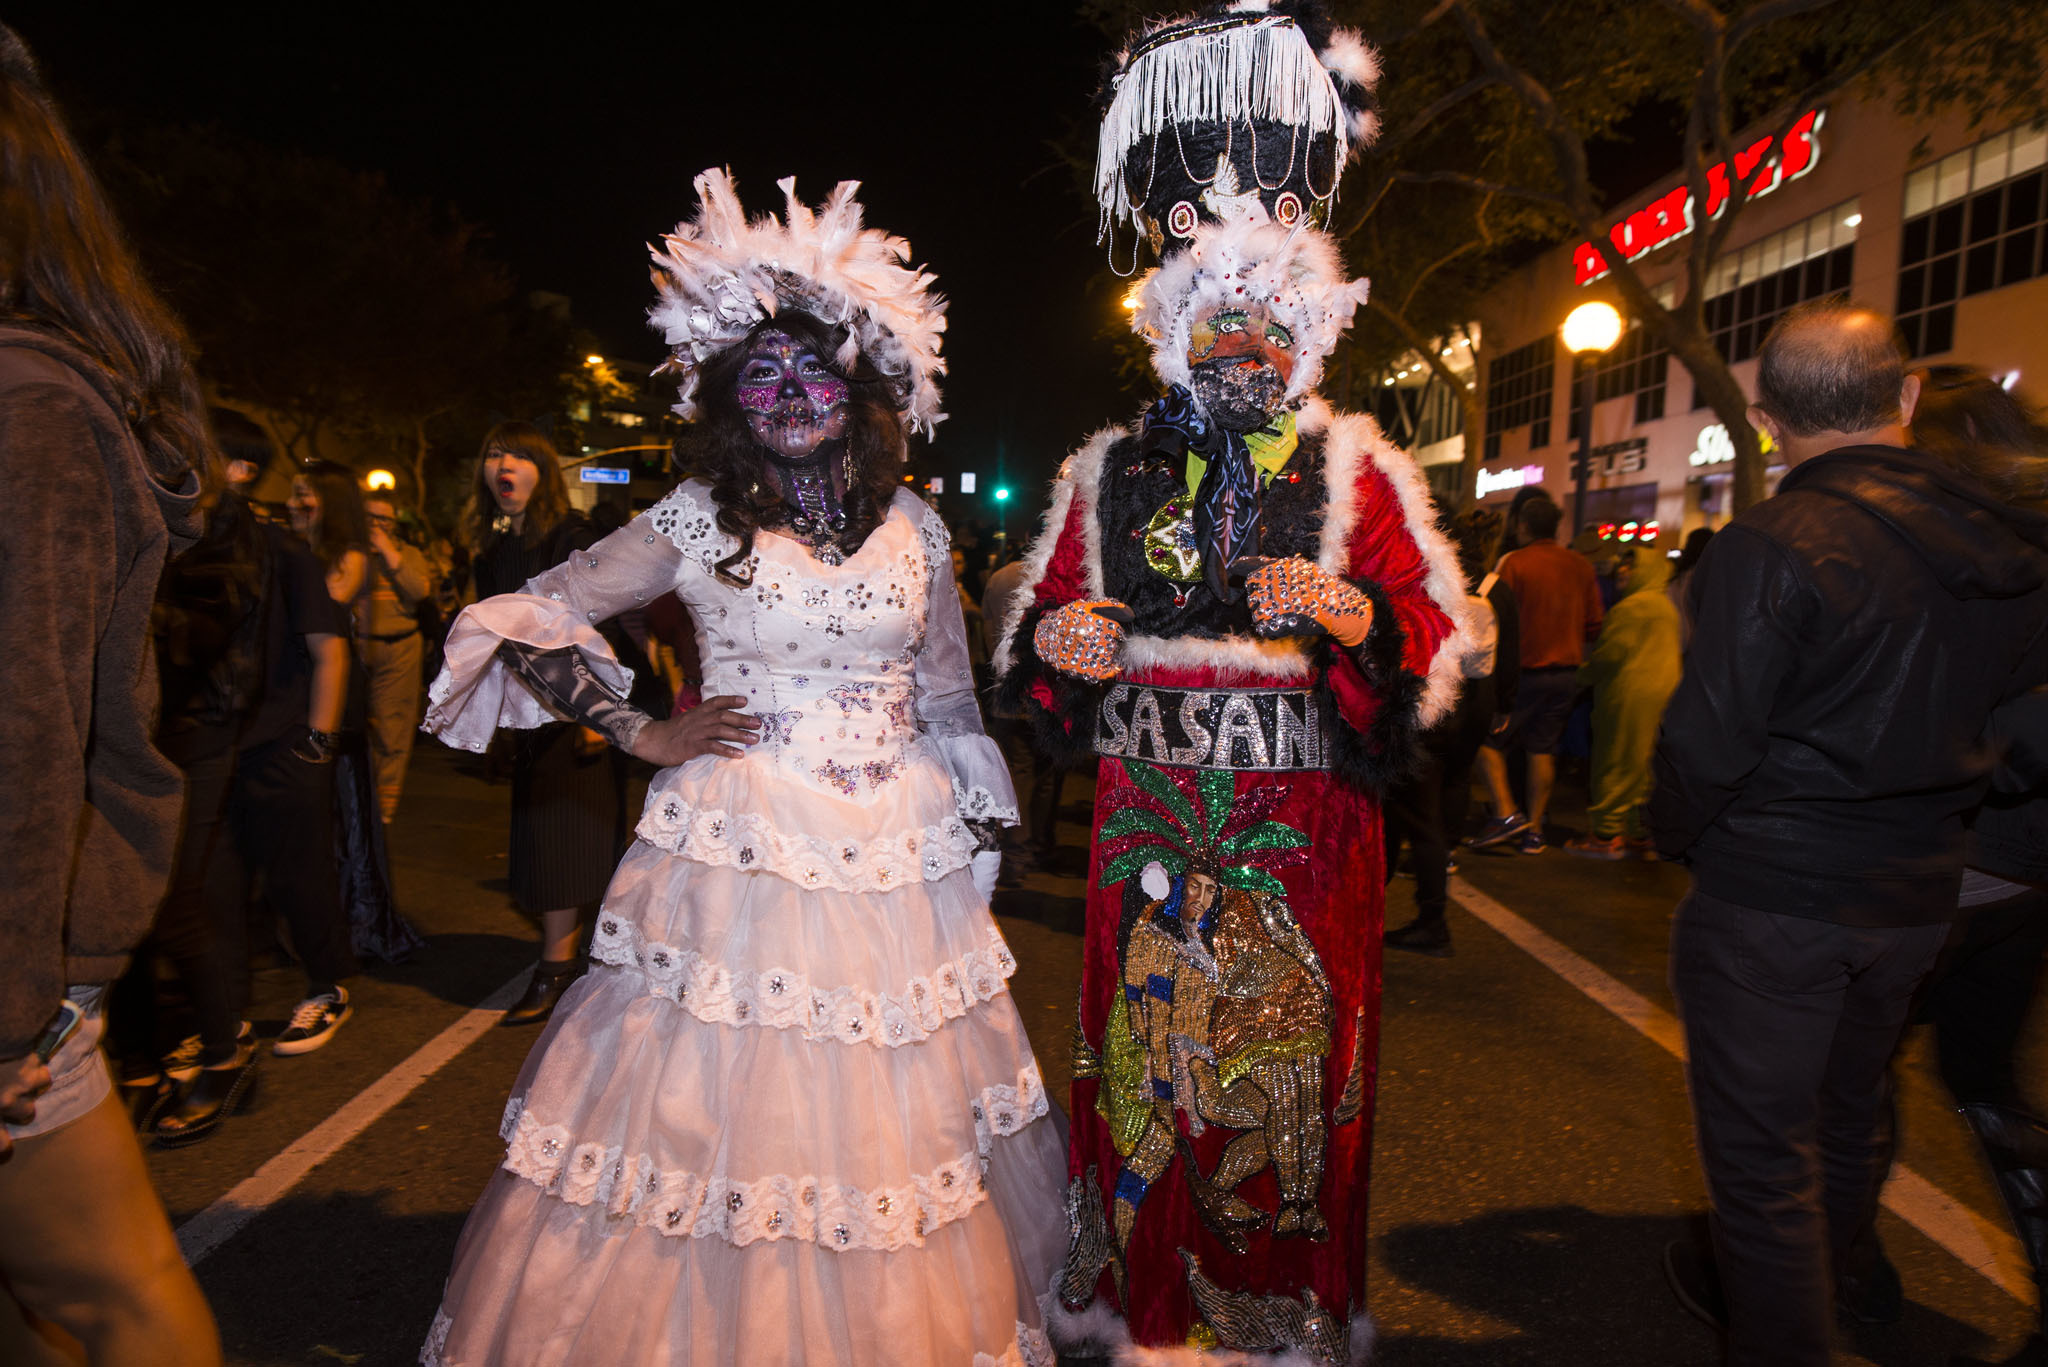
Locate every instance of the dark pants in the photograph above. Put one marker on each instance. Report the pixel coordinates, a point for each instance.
(186, 931)
(1790, 1024)
(282, 815)
(1979, 992)
(1428, 809)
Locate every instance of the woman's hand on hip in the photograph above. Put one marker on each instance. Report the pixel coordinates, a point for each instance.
(713, 727)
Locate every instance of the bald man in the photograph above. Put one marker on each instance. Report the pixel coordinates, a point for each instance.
(1851, 637)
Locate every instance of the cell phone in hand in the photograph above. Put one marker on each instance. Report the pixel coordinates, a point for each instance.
(62, 1027)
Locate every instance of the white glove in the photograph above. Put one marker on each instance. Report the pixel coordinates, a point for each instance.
(987, 864)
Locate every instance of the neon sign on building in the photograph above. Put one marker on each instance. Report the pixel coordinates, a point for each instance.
(1671, 216)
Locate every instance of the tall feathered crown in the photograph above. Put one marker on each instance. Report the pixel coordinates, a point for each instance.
(720, 274)
(1247, 113)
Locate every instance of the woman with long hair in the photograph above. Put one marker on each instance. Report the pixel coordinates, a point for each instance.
(568, 781)
(105, 455)
(1980, 996)
(327, 511)
(790, 1114)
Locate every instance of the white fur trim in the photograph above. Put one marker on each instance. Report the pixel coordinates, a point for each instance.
(720, 274)
(1099, 1331)
(1297, 273)
(1354, 437)
(1351, 60)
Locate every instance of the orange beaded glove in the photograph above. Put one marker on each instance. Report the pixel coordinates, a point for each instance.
(1083, 639)
(1291, 597)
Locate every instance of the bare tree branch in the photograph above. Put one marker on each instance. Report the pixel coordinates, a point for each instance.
(1483, 186)
(1443, 105)
(1422, 277)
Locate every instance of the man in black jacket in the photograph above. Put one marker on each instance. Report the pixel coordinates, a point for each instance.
(1852, 636)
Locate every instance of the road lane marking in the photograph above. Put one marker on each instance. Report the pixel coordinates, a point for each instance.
(1980, 1244)
(225, 1218)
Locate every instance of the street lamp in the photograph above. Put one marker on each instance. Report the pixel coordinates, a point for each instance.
(1002, 497)
(1590, 330)
(379, 481)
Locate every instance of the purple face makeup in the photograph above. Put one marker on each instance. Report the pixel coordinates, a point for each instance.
(792, 399)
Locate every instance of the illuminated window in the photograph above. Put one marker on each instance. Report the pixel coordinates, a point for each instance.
(1973, 222)
(1518, 390)
(1636, 366)
(1746, 290)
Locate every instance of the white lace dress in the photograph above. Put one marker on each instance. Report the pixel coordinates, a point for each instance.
(790, 1115)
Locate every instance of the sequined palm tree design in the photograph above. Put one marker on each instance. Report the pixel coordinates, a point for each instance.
(1225, 1012)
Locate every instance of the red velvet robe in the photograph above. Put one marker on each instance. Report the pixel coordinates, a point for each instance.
(1353, 504)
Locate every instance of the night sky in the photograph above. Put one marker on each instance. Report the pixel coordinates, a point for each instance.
(573, 139)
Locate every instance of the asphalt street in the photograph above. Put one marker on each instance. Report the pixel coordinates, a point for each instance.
(1533, 1154)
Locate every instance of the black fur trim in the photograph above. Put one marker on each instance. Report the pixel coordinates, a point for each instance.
(1387, 751)
(1064, 735)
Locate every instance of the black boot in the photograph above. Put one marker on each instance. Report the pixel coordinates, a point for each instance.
(211, 1097)
(550, 981)
(1429, 936)
(2016, 1144)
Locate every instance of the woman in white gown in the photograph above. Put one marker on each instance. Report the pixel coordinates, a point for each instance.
(790, 1115)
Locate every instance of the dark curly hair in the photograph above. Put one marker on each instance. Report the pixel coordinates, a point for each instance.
(726, 453)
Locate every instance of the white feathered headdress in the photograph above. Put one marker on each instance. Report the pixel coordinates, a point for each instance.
(719, 275)
(1297, 273)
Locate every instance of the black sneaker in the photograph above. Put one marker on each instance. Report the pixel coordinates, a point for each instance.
(1696, 1283)
(1424, 937)
(314, 1023)
(1498, 830)
(1532, 842)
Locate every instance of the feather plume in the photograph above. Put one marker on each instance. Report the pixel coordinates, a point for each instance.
(719, 274)
(1296, 273)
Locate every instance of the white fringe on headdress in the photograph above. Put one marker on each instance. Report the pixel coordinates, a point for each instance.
(720, 274)
(1297, 273)
(1264, 69)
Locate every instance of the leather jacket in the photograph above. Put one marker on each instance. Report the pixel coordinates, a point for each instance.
(2009, 833)
(1851, 639)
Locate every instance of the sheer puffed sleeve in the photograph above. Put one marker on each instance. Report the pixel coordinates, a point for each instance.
(479, 691)
(947, 713)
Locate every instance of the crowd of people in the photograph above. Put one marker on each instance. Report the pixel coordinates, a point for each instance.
(785, 1109)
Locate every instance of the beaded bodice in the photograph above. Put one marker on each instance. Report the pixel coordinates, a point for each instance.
(824, 654)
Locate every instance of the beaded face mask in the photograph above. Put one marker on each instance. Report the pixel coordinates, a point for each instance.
(1239, 362)
(792, 398)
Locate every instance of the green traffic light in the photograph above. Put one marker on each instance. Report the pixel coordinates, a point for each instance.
(1002, 494)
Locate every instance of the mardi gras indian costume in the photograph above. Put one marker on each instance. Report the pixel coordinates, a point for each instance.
(1241, 607)
(790, 1115)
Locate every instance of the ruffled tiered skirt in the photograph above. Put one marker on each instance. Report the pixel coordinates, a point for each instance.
(772, 1125)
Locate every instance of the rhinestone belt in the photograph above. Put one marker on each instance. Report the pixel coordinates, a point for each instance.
(1215, 728)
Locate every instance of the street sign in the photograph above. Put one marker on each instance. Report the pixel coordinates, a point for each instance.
(967, 483)
(935, 485)
(596, 475)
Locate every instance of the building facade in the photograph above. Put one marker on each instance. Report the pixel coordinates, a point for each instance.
(1938, 223)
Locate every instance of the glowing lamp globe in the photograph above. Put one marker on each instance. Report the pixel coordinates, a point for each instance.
(1593, 327)
(377, 481)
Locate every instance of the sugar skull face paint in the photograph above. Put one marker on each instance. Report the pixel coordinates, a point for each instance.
(1239, 360)
(791, 397)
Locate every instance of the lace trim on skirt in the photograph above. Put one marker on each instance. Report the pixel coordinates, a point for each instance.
(744, 841)
(786, 999)
(832, 1215)
(1032, 1348)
